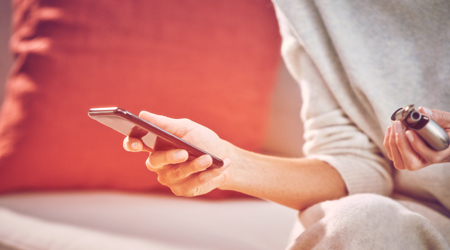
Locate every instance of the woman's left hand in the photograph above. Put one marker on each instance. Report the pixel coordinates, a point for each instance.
(408, 151)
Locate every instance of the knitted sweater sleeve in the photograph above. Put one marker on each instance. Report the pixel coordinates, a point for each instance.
(330, 135)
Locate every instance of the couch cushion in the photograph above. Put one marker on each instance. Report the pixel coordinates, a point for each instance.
(186, 223)
(210, 61)
(21, 232)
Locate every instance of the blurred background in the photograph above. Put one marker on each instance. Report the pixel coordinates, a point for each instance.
(284, 132)
(229, 46)
(5, 56)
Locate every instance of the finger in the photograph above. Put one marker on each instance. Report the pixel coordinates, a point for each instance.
(179, 172)
(130, 144)
(202, 182)
(426, 111)
(418, 144)
(411, 160)
(159, 159)
(440, 117)
(135, 145)
(396, 156)
(178, 127)
(428, 155)
(386, 144)
(183, 170)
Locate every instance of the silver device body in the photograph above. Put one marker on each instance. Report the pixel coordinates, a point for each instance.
(426, 128)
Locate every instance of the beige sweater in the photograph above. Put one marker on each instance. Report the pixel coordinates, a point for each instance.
(357, 62)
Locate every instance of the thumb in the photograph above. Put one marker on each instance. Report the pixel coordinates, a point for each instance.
(442, 118)
(178, 127)
(157, 120)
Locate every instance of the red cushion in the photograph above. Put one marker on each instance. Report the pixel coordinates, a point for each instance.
(210, 61)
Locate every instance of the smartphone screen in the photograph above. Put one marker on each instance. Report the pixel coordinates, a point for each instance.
(154, 137)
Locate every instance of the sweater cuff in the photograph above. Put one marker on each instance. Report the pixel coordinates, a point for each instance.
(358, 176)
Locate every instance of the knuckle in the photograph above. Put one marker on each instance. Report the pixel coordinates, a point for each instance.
(185, 120)
(149, 164)
(413, 167)
(178, 173)
(186, 123)
(439, 117)
(434, 159)
(167, 156)
(203, 178)
(196, 191)
(430, 158)
(177, 191)
(193, 192)
(190, 194)
(398, 164)
(409, 167)
(162, 180)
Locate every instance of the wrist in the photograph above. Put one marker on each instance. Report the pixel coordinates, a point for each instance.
(230, 175)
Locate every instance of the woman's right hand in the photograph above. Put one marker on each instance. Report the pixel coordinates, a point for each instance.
(175, 169)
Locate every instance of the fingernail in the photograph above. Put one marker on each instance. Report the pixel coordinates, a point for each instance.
(410, 136)
(179, 155)
(226, 162)
(427, 111)
(398, 126)
(204, 160)
(135, 146)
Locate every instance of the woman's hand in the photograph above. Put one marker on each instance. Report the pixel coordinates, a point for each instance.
(292, 182)
(184, 175)
(408, 151)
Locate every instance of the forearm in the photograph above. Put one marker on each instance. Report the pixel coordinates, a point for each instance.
(294, 182)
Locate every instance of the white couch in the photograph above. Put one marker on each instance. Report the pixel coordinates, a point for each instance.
(112, 220)
(116, 220)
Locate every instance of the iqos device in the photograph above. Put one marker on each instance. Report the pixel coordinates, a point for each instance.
(426, 128)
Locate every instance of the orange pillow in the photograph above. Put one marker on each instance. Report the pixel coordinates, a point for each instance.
(210, 61)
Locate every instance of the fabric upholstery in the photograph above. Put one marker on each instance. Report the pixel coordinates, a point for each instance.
(210, 61)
